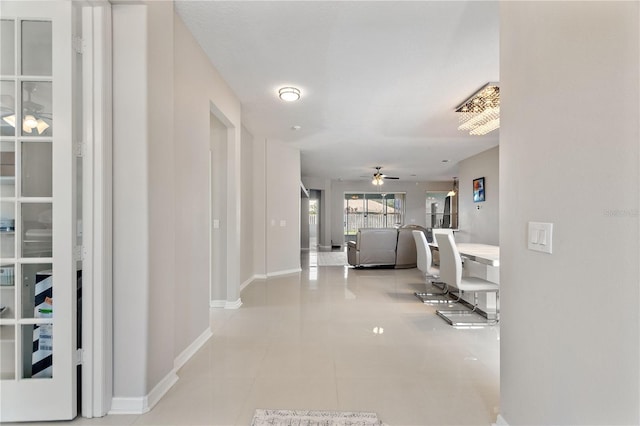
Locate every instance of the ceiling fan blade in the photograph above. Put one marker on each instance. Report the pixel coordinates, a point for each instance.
(390, 177)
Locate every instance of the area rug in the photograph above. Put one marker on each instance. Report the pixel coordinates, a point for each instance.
(332, 258)
(313, 418)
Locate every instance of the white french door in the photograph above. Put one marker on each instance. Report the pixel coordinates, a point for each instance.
(38, 278)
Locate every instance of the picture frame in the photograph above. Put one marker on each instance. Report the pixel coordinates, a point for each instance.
(478, 190)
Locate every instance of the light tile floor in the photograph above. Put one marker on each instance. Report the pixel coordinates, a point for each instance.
(334, 338)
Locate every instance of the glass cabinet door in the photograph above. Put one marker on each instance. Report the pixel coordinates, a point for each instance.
(37, 273)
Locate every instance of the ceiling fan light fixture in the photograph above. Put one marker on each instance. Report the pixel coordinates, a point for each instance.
(25, 127)
(10, 119)
(30, 121)
(289, 94)
(42, 126)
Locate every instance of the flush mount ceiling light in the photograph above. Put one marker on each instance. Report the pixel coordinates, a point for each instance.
(480, 114)
(289, 94)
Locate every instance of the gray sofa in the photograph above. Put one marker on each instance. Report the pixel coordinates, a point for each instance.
(384, 247)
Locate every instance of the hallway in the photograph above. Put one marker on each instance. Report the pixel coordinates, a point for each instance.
(334, 338)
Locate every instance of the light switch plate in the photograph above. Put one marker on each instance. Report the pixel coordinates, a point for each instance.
(540, 237)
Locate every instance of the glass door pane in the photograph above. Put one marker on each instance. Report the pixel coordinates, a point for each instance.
(36, 108)
(7, 47)
(37, 185)
(36, 49)
(7, 107)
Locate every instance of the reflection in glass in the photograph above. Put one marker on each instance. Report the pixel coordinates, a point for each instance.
(36, 48)
(7, 290)
(37, 302)
(37, 291)
(7, 229)
(36, 108)
(36, 169)
(37, 351)
(7, 108)
(7, 171)
(7, 352)
(442, 210)
(37, 229)
(7, 47)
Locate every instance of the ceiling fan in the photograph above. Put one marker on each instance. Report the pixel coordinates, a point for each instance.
(33, 116)
(378, 177)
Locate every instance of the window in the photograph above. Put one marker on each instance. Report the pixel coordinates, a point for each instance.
(372, 210)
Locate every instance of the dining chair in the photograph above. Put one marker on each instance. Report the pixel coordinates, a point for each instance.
(451, 275)
(424, 262)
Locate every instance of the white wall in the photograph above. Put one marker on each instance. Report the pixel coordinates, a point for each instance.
(569, 155)
(162, 270)
(144, 176)
(165, 91)
(283, 208)
(130, 206)
(218, 187)
(259, 206)
(247, 209)
(479, 222)
(198, 86)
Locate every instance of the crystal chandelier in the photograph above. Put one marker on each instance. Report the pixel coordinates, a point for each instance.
(480, 114)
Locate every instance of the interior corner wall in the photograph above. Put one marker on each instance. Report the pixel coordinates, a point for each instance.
(130, 205)
(143, 173)
(479, 222)
(162, 270)
(259, 206)
(247, 202)
(283, 208)
(198, 85)
(569, 155)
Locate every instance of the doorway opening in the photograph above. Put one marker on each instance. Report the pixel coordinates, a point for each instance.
(218, 211)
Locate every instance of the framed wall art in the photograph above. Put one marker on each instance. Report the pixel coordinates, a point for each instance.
(478, 190)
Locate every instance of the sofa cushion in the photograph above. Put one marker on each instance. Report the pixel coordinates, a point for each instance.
(406, 256)
(377, 246)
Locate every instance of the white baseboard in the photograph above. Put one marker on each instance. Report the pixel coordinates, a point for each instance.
(500, 421)
(121, 405)
(217, 303)
(225, 304)
(250, 280)
(233, 305)
(144, 404)
(285, 272)
(161, 389)
(141, 405)
(191, 349)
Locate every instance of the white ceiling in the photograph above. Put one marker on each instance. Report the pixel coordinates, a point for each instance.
(380, 80)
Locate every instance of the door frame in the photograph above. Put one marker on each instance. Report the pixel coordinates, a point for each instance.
(96, 152)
